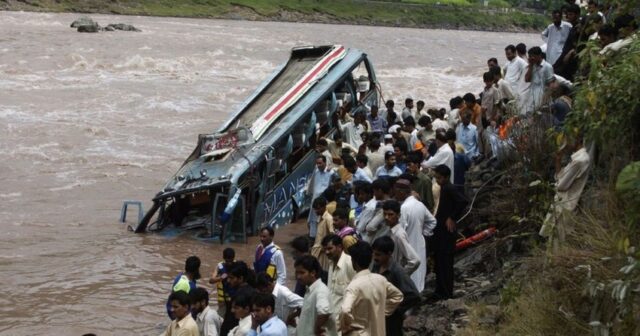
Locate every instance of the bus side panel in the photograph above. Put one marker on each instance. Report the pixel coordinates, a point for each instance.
(280, 205)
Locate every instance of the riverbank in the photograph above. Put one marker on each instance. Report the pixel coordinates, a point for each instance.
(457, 15)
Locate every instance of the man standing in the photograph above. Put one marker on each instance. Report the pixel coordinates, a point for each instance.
(450, 208)
(555, 35)
(421, 184)
(287, 303)
(183, 325)
(368, 298)
(315, 316)
(540, 75)
(384, 265)
(378, 124)
(418, 222)
(325, 227)
(319, 182)
(342, 228)
(322, 148)
(340, 272)
(208, 320)
(185, 281)
(567, 63)
(467, 135)
(389, 169)
(375, 227)
(264, 322)
(407, 111)
(269, 257)
(357, 174)
(514, 70)
(364, 194)
(444, 155)
(403, 254)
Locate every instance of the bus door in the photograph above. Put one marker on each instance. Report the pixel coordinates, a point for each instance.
(229, 227)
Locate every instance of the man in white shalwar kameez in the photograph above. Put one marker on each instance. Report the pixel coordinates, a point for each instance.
(418, 221)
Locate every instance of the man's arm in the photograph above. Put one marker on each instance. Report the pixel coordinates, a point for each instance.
(346, 310)
(394, 298)
(545, 34)
(410, 254)
(529, 73)
(281, 267)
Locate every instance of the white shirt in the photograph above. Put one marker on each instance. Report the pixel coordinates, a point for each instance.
(286, 300)
(439, 123)
(555, 37)
(417, 221)
(444, 156)
(453, 117)
(514, 71)
(368, 212)
(243, 328)
(393, 172)
(316, 302)
(360, 175)
(277, 259)
(209, 322)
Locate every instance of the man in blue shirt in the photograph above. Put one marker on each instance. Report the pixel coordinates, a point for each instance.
(467, 135)
(264, 322)
(378, 124)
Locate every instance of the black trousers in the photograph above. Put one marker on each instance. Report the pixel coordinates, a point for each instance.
(444, 273)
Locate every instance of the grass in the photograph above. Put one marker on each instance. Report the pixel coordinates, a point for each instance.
(408, 13)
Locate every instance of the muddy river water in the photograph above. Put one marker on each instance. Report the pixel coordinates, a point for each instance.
(89, 120)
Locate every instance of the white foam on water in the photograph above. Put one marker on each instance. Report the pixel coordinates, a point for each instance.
(77, 184)
(11, 195)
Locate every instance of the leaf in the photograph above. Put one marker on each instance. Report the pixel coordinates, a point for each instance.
(535, 183)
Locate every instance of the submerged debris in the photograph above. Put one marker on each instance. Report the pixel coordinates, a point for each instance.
(86, 24)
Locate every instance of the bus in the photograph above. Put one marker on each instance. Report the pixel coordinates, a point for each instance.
(254, 170)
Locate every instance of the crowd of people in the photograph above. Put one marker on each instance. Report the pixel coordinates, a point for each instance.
(387, 194)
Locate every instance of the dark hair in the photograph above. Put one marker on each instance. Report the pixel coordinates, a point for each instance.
(319, 203)
(608, 30)
(363, 187)
(322, 157)
(420, 102)
(383, 244)
(342, 213)
(228, 253)
(181, 296)
(337, 136)
(381, 184)
(362, 158)
(415, 157)
(409, 121)
(493, 59)
(573, 8)
(310, 263)
(389, 102)
(349, 162)
(556, 11)
(624, 21)
(408, 100)
(535, 51)
(511, 48)
(450, 134)
(263, 280)
(242, 300)
(521, 48)
(268, 229)
(455, 102)
(441, 136)
(192, 265)
(388, 155)
(264, 300)
(469, 97)
(334, 239)
(329, 194)
(361, 254)
(322, 142)
(199, 294)
(300, 244)
(443, 170)
(240, 269)
(424, 121)
(392, 205)
(496, 71)
(487, 76)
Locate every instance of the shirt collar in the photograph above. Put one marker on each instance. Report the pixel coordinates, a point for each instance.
(184, 320)
(267, 323)
(362, 273)
(202, 315)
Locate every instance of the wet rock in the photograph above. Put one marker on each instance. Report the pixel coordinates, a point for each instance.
(456, 306)
(121, 26)
(83, 21)
(90, 28)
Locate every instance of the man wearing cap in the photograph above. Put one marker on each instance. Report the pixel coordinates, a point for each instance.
(418, 223)
(388, 143)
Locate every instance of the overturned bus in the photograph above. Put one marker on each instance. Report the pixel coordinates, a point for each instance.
(253, 171)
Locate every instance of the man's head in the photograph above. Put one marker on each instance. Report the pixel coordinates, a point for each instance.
(408, 103)
(496, 71)
(264, 283)
(535, 55)
(556, 17)
(374, 144)
(238, 274)
(625, 25)
(361, 255)
(487, 77)
(389, 104)
(425, 122)
(308, 269)
(592, 7)
(199, 299)
(382, 250)
(414, 159)
(391, 211)
(572, 13)
(192, 266)
(409, 124)
(321, 162)
(337, 138)
(607, 35)
(469, 100)
(362, 160)
(266, 235)
(492, 62)
(229, 255)
(451, 136)
(402, 189)
(420, 105)
(364, 192)
(442, 173)
(322, 145)
(380, 189)
(300, 247)
(441, 138)
(340, 218)
(374, 111)
(510, 52)
(350, 164)
(465, 117)
(456, 102)
(319, 206)
(389, 159)
(241, 306)
(264, 305)
(332, 245)
(521, 50)
(180, 305)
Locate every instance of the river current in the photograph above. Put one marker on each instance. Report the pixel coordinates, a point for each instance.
(89, 120)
